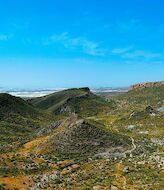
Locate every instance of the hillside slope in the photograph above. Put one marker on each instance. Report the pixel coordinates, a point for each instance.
(10, 105)
(18, 119)
(77, 138)
(139, 98)
(77, 100)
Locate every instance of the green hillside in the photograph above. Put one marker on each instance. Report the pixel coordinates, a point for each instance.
(140, 98)
(10, 105)
(18, 119)
(78, 100)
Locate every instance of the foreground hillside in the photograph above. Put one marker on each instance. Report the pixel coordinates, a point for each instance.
(80, 141)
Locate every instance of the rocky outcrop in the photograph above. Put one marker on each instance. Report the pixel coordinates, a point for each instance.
(146, 85)
(85, 88)
(148, 111)
(50, 128)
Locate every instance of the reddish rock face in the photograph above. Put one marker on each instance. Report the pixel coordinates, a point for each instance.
(146, 85)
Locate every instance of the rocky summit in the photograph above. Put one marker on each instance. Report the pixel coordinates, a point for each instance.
(146, 85)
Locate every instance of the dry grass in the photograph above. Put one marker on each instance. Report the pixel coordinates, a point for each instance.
(21, 182)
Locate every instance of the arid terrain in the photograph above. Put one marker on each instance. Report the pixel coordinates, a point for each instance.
(77, 140)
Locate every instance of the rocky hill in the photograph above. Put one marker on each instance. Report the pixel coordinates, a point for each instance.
(146, 85)
(78, 138)
(140, 98)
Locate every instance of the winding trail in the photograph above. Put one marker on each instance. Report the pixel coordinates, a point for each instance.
(133, 148)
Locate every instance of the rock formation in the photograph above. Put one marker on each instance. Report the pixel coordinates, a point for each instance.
(146, 85)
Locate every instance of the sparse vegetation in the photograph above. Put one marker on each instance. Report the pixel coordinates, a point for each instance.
(76, 140)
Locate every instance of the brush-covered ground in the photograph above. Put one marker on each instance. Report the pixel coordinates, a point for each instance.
(76, 140)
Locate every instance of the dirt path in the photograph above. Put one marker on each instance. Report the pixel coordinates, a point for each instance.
(133, 147)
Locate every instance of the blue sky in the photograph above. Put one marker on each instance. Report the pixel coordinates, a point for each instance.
(61, 43)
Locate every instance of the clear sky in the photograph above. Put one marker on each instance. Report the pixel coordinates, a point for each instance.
(71, 43)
